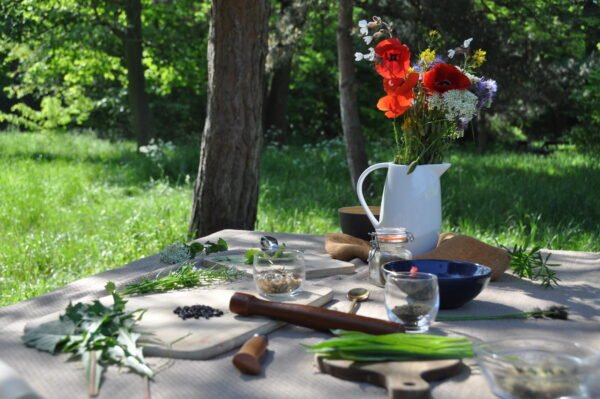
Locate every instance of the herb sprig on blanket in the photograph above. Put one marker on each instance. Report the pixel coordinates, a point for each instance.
(531, 264)
(186, 276)
(96, 334)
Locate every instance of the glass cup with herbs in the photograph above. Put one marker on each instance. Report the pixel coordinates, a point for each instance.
(279, 273)
(412, 299)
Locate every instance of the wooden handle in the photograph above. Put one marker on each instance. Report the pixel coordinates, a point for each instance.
(310, 316)
(247, 360)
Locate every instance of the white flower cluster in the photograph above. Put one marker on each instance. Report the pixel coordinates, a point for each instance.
(456, 104)
(363, 27)
(175, 253)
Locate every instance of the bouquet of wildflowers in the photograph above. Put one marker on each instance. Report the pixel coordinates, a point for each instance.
(435, 99)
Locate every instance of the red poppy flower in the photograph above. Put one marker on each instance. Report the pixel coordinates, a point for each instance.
(443, 77)
(393, 58)
(400, 87)
(394, 106)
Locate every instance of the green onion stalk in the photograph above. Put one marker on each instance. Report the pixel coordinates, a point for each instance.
(364, 347)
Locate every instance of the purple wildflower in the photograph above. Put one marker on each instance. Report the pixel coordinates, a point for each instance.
(436, 61)
(417, 68)
(485, 90)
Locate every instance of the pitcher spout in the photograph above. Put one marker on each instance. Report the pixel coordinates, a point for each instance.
(440, 168)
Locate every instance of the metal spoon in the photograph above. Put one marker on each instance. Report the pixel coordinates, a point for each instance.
(357, 295)
(268, 243)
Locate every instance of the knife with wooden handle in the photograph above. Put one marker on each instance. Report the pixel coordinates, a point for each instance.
(247, 360)
(313, 317)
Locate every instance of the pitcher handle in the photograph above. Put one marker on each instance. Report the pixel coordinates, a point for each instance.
(359, 191)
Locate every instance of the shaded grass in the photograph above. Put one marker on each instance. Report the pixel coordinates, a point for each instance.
(72, 205)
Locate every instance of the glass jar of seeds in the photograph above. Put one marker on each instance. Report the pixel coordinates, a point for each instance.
(388, 244)
(279, 273)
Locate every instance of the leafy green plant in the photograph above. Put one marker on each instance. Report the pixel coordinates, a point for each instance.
(96, 334)
(185, 277)
(363, 347)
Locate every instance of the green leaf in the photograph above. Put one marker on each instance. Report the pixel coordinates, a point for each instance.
(196, 248)
(47, 336)
(110, 287)
(249, 254)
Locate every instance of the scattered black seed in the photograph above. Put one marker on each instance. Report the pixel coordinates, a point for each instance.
(197, 311)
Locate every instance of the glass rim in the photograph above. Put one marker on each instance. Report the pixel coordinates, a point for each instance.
(414, 275)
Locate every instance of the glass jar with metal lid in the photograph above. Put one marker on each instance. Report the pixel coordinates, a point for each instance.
(387, 244)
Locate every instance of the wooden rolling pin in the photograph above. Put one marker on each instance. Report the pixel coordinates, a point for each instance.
(310, 316)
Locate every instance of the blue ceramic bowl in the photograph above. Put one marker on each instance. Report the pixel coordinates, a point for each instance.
(459, 282)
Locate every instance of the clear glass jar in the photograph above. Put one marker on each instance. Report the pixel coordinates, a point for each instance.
(388, 244)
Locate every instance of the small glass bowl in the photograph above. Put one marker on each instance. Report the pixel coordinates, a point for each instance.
(279, 273)
(412, 299)
(535, 368)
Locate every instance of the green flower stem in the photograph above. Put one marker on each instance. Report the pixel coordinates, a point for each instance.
(552, 312)
(521, 315)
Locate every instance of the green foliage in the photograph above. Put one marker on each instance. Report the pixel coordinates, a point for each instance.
(586, 134)
(64, 67)
(67, 66)
(99, 335)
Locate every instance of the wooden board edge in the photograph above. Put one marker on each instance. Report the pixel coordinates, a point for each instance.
(211, 352)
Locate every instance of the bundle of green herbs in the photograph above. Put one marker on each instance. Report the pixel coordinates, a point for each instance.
(186, 276)
(363, 347)
(96, 334)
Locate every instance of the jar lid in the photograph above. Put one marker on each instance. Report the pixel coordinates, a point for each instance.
(393, 234)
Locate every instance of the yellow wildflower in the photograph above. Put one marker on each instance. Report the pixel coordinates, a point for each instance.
(478, 58)
(427, 56)
(434, 34)
(407, 124)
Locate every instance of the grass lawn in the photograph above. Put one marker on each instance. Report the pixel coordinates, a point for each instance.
(73, 205)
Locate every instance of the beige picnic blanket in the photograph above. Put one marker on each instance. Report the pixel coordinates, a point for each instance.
(288, 369)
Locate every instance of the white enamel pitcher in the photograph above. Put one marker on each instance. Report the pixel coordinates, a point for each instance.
(412, 201)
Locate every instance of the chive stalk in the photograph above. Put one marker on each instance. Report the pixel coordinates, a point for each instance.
(358, 346)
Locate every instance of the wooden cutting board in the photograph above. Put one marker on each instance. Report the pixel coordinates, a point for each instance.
(317, 265)
(402, 380)
(200, 339)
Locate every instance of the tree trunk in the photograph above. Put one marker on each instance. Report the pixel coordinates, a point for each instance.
(136, 87)
(283, 40)
(277, 100)
(226, 189)
(355, 146)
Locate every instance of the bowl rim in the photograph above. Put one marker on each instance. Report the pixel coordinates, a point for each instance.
(487, 269)
(359, 210)
(481, 350)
